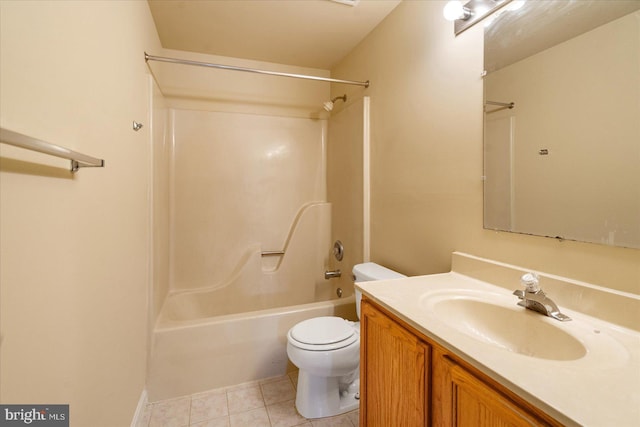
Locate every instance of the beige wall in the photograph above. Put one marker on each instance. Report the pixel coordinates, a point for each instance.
(426, 130)
(75, 248)
(576, 100)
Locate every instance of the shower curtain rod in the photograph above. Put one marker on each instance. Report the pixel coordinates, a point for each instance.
(148, 57)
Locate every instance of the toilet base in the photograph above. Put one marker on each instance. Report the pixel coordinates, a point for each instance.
(319, 397)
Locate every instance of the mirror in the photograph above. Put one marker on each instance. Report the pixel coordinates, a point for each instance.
(563, 160)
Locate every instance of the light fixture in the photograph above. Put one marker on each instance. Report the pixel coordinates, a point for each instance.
(455, 10)
(466, 15)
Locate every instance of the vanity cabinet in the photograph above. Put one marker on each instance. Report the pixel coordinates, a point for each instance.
(465, 397)
(408, 380)
(394, 372)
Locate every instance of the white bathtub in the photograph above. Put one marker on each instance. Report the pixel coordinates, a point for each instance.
(235, 331)
(193, 355)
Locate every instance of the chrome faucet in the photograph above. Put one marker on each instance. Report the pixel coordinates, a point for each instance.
(535, 299)
(331, 274)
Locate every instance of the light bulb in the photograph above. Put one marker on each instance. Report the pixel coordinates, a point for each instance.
(455, 10)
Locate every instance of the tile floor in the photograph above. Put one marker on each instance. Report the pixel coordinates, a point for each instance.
(266, 403)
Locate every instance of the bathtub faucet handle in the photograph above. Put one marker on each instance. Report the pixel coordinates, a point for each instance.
(331, 274)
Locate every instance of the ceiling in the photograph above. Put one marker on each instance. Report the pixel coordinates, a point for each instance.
(307, 33)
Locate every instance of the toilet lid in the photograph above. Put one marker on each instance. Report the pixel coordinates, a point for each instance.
(322, 331)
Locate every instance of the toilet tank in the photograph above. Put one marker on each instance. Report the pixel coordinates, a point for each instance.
(368, 272)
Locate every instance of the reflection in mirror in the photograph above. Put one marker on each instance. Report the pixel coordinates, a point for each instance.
(562, 121)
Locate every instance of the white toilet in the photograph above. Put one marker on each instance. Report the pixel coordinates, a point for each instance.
(326, 351)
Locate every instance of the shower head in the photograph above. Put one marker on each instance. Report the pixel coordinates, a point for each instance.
(329, 104)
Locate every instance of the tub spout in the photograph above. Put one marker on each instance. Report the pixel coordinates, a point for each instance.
(331, 274)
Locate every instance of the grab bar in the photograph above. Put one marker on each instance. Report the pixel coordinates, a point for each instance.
(272, 253)
(78, 160)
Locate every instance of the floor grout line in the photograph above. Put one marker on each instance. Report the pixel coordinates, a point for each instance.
(167, 411)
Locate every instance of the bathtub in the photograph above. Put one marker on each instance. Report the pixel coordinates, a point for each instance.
(235, 331)
(191, 355)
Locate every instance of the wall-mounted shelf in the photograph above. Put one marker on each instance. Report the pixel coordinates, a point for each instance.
(78, 160)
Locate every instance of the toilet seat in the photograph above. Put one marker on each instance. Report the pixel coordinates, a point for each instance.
(323, 334)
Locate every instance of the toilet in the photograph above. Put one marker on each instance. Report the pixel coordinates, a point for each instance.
(326, 351)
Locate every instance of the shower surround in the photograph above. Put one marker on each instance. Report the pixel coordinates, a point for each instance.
(241, 181)
(249, 242)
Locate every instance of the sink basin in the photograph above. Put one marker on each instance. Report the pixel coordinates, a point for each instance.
(511, 328)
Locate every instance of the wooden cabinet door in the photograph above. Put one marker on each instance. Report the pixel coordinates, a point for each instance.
(393, 373)
(463, 400)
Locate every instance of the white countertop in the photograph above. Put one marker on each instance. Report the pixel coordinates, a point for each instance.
(600, 389)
